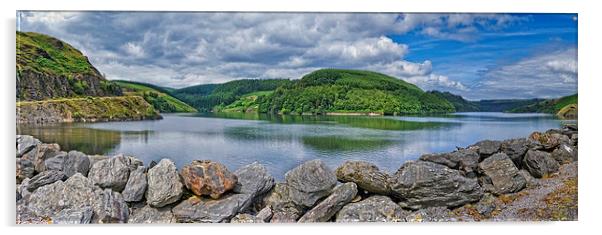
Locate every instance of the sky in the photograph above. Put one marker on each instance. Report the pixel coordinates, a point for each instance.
(478, 56)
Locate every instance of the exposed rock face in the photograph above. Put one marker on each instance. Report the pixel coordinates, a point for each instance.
(25, 169)
(488, 147)
(111, 173)
(26, 143)
(515, 149)
(164, 186)
(208, 178)
(465, 160)
(500, 175)
(282, 205)
(341, 195)
(309, 182)
(151, 215)
(195, 209)
(110, 208)
(565, 153)
(431, 214)
(373, 209)
(253, 179)
(136, 186)
(422, 184)
(74, 216)
(75, 192)
(76, 162)
(366, 175)
(540, 163)
(45, 178)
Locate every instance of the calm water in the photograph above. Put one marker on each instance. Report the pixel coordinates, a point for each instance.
(282, 142)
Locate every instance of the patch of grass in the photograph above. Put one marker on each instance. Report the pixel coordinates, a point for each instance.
(156, 96)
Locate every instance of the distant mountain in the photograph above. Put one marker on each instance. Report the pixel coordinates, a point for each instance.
(352, 91)
(50, 68)
(504, 105)
(459, 103)
(157, 96)
(546, 105)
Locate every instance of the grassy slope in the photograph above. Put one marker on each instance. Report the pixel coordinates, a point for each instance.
(547, 106)
(246, 103)
(143, 89)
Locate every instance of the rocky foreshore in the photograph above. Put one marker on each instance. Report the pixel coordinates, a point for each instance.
(533, 178)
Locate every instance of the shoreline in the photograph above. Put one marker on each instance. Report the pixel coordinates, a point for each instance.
(486, 181)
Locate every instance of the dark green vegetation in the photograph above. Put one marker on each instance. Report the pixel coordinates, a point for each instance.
(50, 68)
(207, 97)
(546, 106)
(459, 103)
(342, 91)
(157, 96)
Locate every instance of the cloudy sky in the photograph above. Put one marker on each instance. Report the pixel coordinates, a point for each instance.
(479, 56)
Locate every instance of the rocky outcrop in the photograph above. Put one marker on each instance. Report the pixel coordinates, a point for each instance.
(372, 209)
(500, 175)
(366, 175)
(310, 182)
(136, 185)
(323, 211)
(420, 184)
(540, 163)
(164, 185)
(208, 178)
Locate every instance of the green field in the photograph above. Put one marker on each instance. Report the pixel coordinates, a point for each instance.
(156, 96)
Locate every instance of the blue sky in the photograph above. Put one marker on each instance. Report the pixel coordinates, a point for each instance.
(479, 56)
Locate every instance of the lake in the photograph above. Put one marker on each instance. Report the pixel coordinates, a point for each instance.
(283, 142)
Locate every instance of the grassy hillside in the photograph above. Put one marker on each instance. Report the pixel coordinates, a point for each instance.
(89, 109)
(207, 97)
(337, 90)
(246, 103)
(50, 68)
(157, 96)
(546, 106)
(459, 103)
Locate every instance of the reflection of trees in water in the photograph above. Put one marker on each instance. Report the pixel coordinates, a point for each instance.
(336, 143)
(87, 140)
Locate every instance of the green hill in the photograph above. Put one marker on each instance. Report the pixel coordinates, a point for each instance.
(459, 103)
(50, 68)
(352, 91)
(547, 105)
(157, 96)
(209, 96)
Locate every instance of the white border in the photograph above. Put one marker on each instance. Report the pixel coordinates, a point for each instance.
(589, 92)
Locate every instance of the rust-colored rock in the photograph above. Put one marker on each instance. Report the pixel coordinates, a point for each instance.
(208, 178)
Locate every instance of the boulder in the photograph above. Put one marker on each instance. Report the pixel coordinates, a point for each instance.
(76, 192)
(500, 175)
(151, 215)
(366, 175)
(327, 208)
(110, 208)
(431, 214)
(245, 219)
(253, 179)
(196, 209)
(111, 173)
(136, 186)
(26, 143)
(74, 216)
(45, 178)
(373, 209)
(465, 160)
(164, 185)
(420, 184)
(41, 153)
(540, 163)
(76, 162)
(531, 181)
(96, 158)
(515, 149)
(548, 140)
(22, 189)
(310, 182)
(486, 205)
(565, 153)
(55, 163)
(282, 205)
(25, 169)
(265, 214)
(487, 147)
(208, 178)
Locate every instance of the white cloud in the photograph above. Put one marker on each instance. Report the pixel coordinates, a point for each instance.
(436, 82)
(134, 49)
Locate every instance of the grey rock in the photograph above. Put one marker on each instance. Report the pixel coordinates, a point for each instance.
(373, 209)
(488, 147)
(111, 173)
(76, 162)
(565, 153)
(96, 158)
(540, 163)
(164, 185)
(203, 210)
(55, 163)
(253, 179)
(265, 214)
(284, 217)
(420, 184)
(25, 169)
(151, 215)
(110, 208)
(366, 175)
(431, 214)
(531, 181)
(136, 186)
(500, 175)
(515, 149)
(486, 205)
(26, 143)
(41, 154)
(465, 160)
(245, 219)
(326, 209)
(74, 216)
(548, 140)
(310, 182)
(75, 192)
(45, 178)
(283, 207)
(22, 188)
